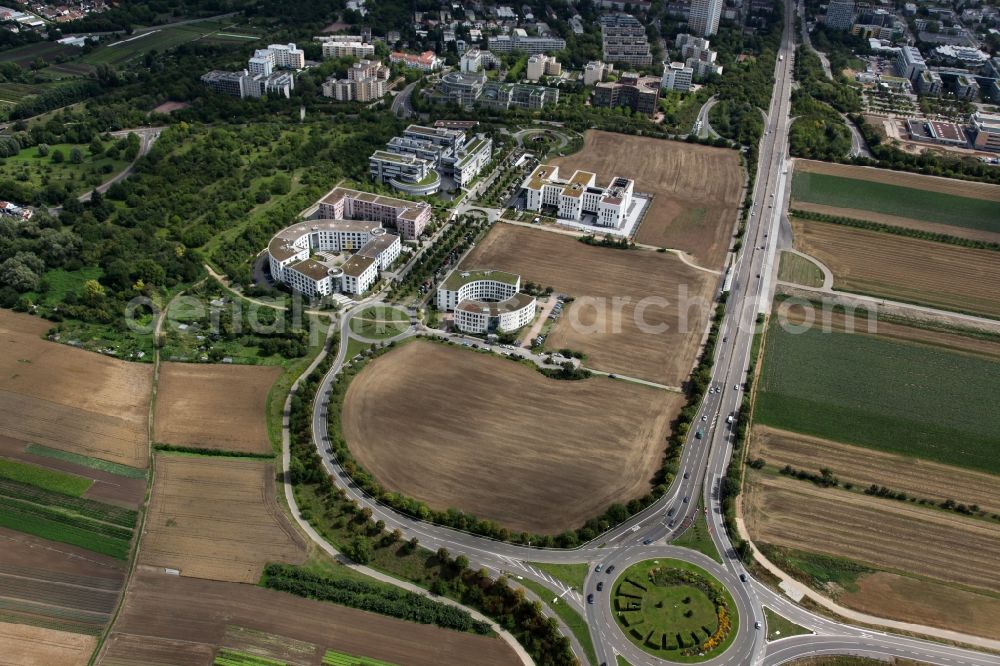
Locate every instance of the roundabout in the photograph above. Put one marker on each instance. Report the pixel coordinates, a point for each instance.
(674, 610)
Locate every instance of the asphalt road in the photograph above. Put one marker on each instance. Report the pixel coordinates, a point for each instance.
(703, 462)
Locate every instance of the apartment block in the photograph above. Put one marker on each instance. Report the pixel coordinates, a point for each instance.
(704, 17)
(840, 14)
(284, 56)
(367, 80)
(542, 65)
(519, 40)
(426, 61)
(624, 40)
(639, 93)
(409, 218)
(340, 49)
(677, 76)
(595, 71)
(477, 60)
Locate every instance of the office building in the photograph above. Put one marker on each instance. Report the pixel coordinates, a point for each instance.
(234, 84)
(985, 130)
(462, 89)
(966, 87)
(502, 96)
(840, 14)
(595, 71)
(477, 60)
(579, 195)
(408, 218)
(909, 63)
(416, 161)
(542, 65)
(929, 83)
(485, 301)
(704, 17)
(638, 93)
(677, 76)
(624, 40)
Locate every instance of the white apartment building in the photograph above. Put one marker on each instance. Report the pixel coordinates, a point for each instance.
(366, 80)
(542, 65)
(595, 71)
(486, 301)
(704, 17)
(519, 40)
(475, 60)
(579, 195)
(341, 49)
(677, 76)
(287, 56)
(291, 252)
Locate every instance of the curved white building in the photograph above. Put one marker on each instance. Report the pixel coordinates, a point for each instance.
(292, 255)
(486, 301)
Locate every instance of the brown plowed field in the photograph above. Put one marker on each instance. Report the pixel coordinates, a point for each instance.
(896, 221)
(958, 188)
(200, 613)
(217, 518)
(111, 488)
(33, 646)
(499, 440)
(925, 602)
(214, 406)
(906, 269)
(863, 467)
(135, 650)
(885, 533)
(697, 189)
(610, 287)
(70, 399)
(55, 585)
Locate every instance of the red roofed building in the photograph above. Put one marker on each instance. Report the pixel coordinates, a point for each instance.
(426, 61)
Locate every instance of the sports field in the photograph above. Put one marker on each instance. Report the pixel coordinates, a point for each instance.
(637, 312)
(855, 190)
(177, 620)
(696, 189)
(890, 395)
(912, 270)
(496, 439)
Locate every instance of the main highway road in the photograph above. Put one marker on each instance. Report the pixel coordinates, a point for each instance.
(703, 463)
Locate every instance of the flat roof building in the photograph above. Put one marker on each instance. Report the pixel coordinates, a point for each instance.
(408, 218)
(985, 130)
(639, 93)
(624, 40)
(579, 195)
(704, 17)
(485, 301)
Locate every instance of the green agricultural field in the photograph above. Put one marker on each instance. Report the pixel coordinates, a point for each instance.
(102, 528)
(334, 658)
(123, 51)
(674, 610)
(87, 461)
(921, 401)
(895, 200)
(799, 270)
(46, 479)
(233, 658)
(31, 169)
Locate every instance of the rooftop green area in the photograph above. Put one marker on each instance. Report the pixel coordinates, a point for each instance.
(471, 150)
(459, 277)
(908, 202)
(886, 394)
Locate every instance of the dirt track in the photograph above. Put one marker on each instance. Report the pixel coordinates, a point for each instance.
(163, 613)
(906, 269)
(610, 287)
(497, 439)
(71, 399)
(218, 407)
(697, 189)
(217, 519)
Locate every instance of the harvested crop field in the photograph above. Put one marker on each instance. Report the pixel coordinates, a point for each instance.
(35, 646)
(906, 269)
(494, 438)
(69, 399)
(881, 532)
(162, 611)
(863, 467)
(610, 287)
(217, 518)
(220, 407)
(56, 586)
(697, 189)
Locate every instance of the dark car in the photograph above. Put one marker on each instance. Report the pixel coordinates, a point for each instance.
(600, 586)
(671, 511)
(687, 475)
(610, 569)
(687, 499)
(743, 577)
(646, 542)
(590, 598)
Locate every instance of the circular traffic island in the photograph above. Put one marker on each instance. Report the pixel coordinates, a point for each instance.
(674, 610)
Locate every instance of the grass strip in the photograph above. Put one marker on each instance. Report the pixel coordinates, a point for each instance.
(87, 461)
(46, 479)
(573, 620)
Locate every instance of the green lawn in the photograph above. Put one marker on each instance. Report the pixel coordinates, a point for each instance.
(30, 168)
(697, 538)
(895, 200)
(380, 323)
(886, 394)
(86, 461)
(573, 620)
(46, 479)
(779, 626)
(799, 270)
(676, 618)
(61, 282)
(815, 569)
(571, 574)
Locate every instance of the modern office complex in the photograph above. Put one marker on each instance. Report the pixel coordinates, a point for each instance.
(840, 14)
(704, 18)
(519, 40)
(624, 40)
(416, 162)
(462, 88)
(486, 301)
(515, 95)
(366, 80)
(909, 63)
(677, 76)
(408, 218)
(639, 93)
(985, 130)
(298, 255)
(243, 84)
(579, 195)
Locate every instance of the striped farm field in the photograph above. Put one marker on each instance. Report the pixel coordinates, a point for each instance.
(334, 658)
(46, 479)
(905, 269)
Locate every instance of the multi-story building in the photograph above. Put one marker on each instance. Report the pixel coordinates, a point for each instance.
(408, 218)
(840, 14)
(406, 173)
(542, 65)
(503, 96)
(476, 60)
(283, 56)
(463, 89)
(704, 17)
(639, 93)
(624, 40)
(909, 63)
(235, 84)
(579, 195)
(261, 63)
(426, 61)
(366, 80)
(340, 49)
(486, 301)
(519, 40)
(595, 71)
(985, 130)
(700, 69)
(677, 76)
(697, 55)
(929, 83)
(966, 87)
(879, 24)
(292, 250)
(415, 162)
